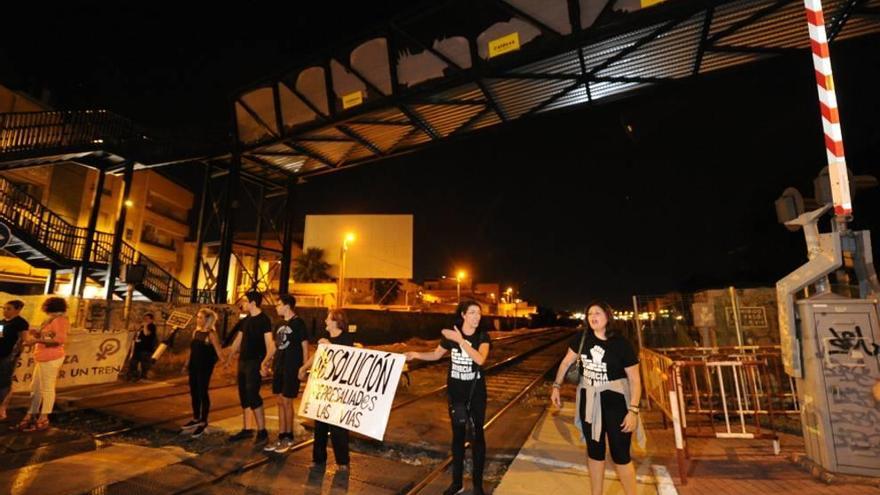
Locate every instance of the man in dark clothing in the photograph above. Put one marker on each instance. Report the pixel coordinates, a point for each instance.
(255, 347)
(292, 350)
(12, 330)
(144, 345)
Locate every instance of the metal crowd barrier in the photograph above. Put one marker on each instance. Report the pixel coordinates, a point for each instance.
(721, 392)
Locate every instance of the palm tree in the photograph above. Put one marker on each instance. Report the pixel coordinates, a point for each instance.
(311, 267)
(385, 290)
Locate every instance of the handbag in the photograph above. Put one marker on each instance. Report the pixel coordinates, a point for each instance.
(573, 375)
(50, 334)
(459, 413)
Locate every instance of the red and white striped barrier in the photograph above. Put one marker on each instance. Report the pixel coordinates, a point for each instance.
(828, 103)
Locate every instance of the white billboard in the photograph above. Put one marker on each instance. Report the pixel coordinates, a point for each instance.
(382, 245)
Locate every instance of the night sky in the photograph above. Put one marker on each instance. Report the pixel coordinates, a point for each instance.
(567, 207)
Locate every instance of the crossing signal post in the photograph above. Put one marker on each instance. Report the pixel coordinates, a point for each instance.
(830, 332)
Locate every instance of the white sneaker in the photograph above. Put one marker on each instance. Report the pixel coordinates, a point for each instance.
(273, 447)
(199, 430)
(284, 445)
(189, 427)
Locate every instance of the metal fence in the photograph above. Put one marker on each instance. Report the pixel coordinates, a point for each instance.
(709, 318)
(720, 392)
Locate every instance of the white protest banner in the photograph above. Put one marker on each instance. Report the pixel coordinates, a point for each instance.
(89, 359)
(352, 388)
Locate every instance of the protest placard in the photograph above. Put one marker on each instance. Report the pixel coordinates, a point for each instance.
(352, 388)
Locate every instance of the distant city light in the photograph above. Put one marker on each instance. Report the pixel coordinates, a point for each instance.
(624, 315)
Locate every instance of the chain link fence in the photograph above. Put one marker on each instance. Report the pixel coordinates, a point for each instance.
(709, 318)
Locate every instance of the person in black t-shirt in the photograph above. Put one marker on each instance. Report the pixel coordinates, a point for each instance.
(145, 342)
(609, 369)
(255, 346)
(291, 350)
(12, 331)
(466, 389)
(204, 352)
(336, 333)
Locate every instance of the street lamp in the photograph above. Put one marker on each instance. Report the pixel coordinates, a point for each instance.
(458, 277)
(509, 293)
(349, 238)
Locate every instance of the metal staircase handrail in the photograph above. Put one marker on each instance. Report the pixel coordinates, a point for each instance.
(77, 130)
(68, 241)
(31, 131)
(43, 225)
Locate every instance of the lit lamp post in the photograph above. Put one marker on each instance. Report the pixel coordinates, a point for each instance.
(458, 277)
(509, 293)
(349, 238)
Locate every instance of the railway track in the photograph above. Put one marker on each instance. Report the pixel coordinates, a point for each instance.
(509, 380)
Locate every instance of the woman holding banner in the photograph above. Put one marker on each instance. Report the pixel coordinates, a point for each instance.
(466, 387)
(204, 352)
(607, 401)
(337, 333)
(48, 344)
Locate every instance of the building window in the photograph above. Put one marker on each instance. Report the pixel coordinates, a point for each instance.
(129, 233)
(104, 222)
(162, 206)
(157, 237)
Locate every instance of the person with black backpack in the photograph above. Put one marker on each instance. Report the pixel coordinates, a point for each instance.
(466, 389)
(608, 394)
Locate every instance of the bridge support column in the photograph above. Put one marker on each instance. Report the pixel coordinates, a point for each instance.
(81, 274)
(227, 225)
(287, 238)
(50, 282)
(200, 236)
(118, 234)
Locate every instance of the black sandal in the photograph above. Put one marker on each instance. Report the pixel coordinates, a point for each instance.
(23, 424)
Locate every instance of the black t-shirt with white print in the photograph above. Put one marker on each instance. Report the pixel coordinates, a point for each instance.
(462, 369)
(604, 360)
(288, 343)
